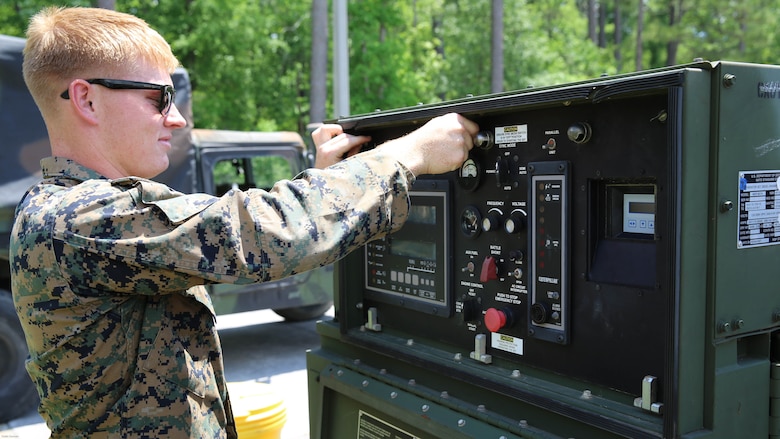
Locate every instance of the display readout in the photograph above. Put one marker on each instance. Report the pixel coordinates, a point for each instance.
(639, 213)
(409, 267)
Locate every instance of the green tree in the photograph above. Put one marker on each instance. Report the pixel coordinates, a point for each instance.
(250, 61)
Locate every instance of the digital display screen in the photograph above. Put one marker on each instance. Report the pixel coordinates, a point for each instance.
(414, 249)
(636, 207)
(638, 213)
(422, 215)
(409, 268)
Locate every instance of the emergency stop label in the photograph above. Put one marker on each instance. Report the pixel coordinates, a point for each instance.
(512, 134)
(759, 209)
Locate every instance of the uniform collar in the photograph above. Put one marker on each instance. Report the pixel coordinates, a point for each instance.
(54, 167)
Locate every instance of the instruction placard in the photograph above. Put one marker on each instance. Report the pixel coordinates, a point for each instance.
(759, 209)
(371, 427)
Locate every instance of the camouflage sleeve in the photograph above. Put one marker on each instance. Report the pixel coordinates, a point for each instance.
(161, 241)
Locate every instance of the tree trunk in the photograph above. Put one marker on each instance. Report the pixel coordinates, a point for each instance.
(106, 4)
(602, 15)
(319, 60)
(497, 47)
(675, 16)
(640, 25)
(618, 38)
(592, 20)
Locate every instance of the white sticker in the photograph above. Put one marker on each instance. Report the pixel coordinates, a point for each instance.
(507, 343)
(512, 134)
(759, 209)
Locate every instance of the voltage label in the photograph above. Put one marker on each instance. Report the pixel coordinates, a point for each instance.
(759, 209)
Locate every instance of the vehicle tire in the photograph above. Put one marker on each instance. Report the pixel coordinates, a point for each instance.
(302, 313)
(17, 393)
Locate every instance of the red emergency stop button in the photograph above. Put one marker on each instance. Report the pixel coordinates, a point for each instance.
(494, 319)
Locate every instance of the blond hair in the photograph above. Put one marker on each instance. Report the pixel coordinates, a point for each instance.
(64, 44)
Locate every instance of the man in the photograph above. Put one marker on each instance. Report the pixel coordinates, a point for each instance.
(108, 266)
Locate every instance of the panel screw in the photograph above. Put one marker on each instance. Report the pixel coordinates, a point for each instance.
(727, 206)
(729, 80)
(724, 326)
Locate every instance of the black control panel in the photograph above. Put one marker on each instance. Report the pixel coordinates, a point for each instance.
(545, 249)
(602, 266)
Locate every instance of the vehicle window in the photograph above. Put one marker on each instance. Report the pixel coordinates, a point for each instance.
(250, 172)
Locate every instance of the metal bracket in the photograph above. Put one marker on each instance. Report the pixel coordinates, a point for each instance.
(647, 400)
(373, 319)
(480, 349)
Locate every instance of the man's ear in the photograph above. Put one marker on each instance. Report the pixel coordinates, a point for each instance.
(81, 95)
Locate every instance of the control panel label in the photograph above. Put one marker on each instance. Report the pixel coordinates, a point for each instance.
(759, 209)
(507, 343)
(512, 134)
(371, 427)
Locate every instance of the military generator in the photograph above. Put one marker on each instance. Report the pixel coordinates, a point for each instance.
(604, 265)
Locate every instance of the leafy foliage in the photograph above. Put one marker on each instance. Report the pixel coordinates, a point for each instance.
(249, 61)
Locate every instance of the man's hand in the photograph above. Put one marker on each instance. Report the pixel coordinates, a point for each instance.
(439, 146)
(333, 144)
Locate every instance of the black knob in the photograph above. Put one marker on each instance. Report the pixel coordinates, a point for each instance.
(579, 132)
(483, 140)
(540, 312)
(502, 171)
(515, 222)
(491, 221)
(471, 310)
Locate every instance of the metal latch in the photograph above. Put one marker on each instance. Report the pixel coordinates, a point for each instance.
(647, 400)
(373, 320)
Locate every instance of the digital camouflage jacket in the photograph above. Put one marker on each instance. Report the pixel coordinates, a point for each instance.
(107, 280)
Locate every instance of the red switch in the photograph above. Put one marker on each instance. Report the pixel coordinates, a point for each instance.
(489, 269)
(494, 319)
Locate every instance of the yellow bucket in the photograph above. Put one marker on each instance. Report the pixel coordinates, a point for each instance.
(258, 411)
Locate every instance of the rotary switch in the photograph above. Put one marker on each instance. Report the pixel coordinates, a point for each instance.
(516, 222)
(502, 171)
(492, 220)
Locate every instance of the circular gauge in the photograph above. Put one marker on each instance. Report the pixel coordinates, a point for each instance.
(470, 222)
(469, 175)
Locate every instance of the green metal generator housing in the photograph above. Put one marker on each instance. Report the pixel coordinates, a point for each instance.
(604, 265)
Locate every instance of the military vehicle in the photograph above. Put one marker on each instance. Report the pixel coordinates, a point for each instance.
(211, 161)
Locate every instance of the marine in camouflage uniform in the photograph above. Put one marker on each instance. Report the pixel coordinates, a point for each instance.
(107, 269)
(107, 278)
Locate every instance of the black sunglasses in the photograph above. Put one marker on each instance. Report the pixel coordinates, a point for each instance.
(167, 92)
